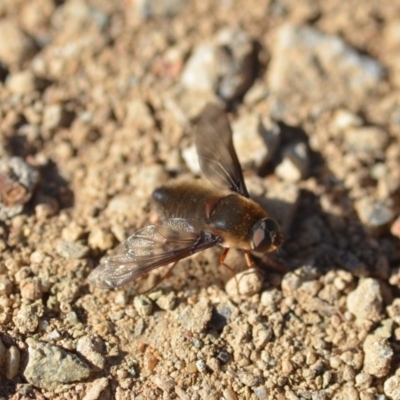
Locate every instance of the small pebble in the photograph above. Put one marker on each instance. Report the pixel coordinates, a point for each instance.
(52, 116)
(245, 283)
(326, 378)
(391, 387)
(12, 362)
(311, 357)
(235, 61)
(120, 204)
(15, 46)
(45, 207)
(366, 302)
(248, 379)
(138, 112)
(72, 250)
(343, 280)
(229, 394)
(290, 395)
(261, 335)
(344, 119)
(28, 316)
(18, 180)
(394, 310)
(43, 325)
(223, 314)
(348, 373)
(77, 14)
(196, 318)
(165, 383)
(346, 393)
(304, 60)
(363, 380)
(366, 139)
(53, 335)
(224, 66)
(140, 327)
(72, 318)
(150, 360)
(143, 305)
(223, 356)
(147, 9)
(155, 295)
(385, 328)
(214, 364)
(122, 373)
(5, 286)
(186, 104)
(295, 164)
(378, 355)
(256, 139)
(261, 392)
(375, 213)
(50, 366)
(379, 171)
(121, 298)
(189, 155)
(95, 392)
(287, 367)
(37, 257)
(201, 366)
(91, 347)
(147, 179)
(293, 280)
(200, 71)
(72, 232)
(100, 239)
(182, 393)
(167, 301)
(31, 288)
(21, 82)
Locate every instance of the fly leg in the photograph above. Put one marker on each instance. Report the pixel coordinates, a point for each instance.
(249, 261)
(222, 262)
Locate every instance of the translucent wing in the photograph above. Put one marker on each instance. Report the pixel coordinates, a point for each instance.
(148, 249)
(217, 156)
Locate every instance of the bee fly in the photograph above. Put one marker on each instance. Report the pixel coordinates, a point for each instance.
(197, 215)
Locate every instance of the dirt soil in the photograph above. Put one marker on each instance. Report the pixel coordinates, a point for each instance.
(97, 103)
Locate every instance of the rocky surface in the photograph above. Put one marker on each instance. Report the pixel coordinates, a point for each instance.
(97, 101)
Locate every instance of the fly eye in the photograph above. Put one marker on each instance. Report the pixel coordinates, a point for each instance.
(266, 235)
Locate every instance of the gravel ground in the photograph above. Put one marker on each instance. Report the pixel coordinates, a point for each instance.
(97, 103)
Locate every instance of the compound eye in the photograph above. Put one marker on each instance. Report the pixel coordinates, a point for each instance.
(266, 235)
(261, 240)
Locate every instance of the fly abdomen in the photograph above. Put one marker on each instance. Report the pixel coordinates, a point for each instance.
(186, 200)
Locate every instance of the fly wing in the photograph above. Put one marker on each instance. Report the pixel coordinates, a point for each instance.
(217, 156)
(150, 248)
